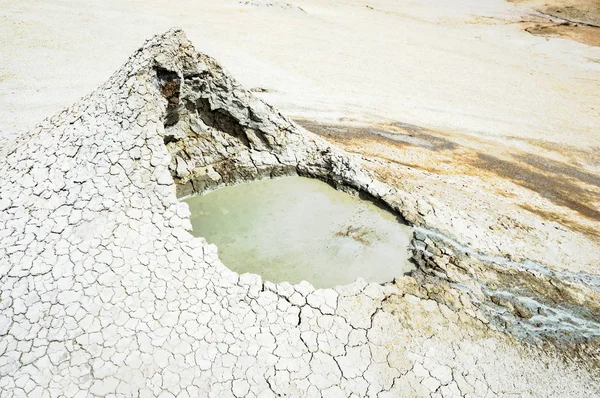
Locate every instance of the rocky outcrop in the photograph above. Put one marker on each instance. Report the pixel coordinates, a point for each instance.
(104, 291)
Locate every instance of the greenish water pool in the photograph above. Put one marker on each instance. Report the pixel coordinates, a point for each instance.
(294, 228)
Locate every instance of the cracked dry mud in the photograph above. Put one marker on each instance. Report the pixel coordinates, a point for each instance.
(104, 292)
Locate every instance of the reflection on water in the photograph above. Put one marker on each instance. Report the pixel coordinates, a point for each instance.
(293, 229)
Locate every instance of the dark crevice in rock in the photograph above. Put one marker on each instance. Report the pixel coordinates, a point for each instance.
(221, 120)
(168, 139)
(170, 86)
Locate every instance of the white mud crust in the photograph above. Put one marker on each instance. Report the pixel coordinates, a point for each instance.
(267, 3)
(104, 292)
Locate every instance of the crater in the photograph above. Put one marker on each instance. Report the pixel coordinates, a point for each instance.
(275, 199)
(295, 228)
(224, 144)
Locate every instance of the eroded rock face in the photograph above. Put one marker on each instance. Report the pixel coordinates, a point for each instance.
(104, 291)
(219, 134)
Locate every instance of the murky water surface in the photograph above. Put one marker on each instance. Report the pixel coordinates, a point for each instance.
(293, 229)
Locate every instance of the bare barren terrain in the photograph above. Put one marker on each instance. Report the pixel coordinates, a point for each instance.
(476, 122)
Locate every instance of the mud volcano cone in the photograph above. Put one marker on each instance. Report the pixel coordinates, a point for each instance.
(103, 291)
